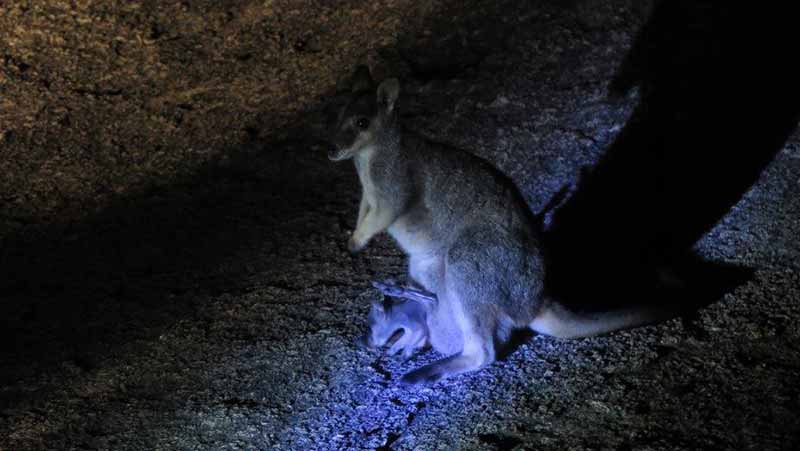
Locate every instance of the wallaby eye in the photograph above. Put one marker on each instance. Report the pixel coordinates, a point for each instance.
(362, 123)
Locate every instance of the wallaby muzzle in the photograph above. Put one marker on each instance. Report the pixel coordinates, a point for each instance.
(334, 154)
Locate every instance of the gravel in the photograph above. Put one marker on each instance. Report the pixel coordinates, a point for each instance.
(203, 298)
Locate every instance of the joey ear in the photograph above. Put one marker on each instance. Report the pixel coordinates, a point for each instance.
(388, 92)
(362, 80)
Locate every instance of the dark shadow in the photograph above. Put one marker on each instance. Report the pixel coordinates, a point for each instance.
(74, 293)
(718, 100)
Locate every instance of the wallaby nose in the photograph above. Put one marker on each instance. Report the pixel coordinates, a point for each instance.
(362, 341)
(333, 152)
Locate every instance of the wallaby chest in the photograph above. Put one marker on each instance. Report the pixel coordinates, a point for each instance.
(386, 184)
(363, 163)
(412, 232)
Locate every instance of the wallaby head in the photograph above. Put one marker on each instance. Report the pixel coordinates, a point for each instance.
(381, 326)
(368, 115)
(403, 323)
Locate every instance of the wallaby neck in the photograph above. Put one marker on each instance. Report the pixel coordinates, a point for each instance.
(386, 146)
(390, 139)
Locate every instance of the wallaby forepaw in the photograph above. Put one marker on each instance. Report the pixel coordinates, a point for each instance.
(354, 246)
(426, 375)
(398, 346)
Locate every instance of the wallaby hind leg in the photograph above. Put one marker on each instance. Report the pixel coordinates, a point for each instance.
(478, 351)
(461, 295)
(473, 301)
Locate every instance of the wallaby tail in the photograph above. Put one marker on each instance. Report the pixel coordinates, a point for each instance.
(557, 321)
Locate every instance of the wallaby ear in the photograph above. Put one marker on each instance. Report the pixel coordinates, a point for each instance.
(362, 80)
(387, 94)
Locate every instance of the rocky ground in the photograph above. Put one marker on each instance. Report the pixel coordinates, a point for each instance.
(173, 237)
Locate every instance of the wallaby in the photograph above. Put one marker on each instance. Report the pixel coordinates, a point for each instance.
(469, 235)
